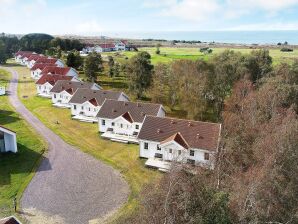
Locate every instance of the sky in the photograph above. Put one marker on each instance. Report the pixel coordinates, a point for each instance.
(100, 17)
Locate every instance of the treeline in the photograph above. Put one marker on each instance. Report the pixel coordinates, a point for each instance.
(197, 87)
(37, 42)
(255, 179)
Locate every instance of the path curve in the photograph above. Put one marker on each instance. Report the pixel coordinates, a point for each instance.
(69, 184)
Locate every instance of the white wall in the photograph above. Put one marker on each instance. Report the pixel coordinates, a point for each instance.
(2, 90)
(36, 74)
(126, 129)
(44, 89)
(10, 142)
(174, 156)
(86, 109)
(62, 97)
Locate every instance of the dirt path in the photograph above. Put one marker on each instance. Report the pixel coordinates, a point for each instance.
(69, 185)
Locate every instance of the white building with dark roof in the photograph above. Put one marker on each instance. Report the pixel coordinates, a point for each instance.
(122, 121)
(85, 103)
(186, 141)
(8, 140)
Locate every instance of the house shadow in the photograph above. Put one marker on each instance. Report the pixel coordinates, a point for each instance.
(22, 162)
(7, 117)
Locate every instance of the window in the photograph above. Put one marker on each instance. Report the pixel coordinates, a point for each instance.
(170, 150)
(179, 152)
(55, 96)
(137, 126)
(74, 107)
(103, 122)
(121, 125)
(191, 152)
(82, 108)
(145, 145)
(39, 87)
(158, 148)
(191, 161)
(89, 109)
(94, 109)
(206, 156)
(113, 124)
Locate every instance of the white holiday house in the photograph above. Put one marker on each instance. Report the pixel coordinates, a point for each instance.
(24, 57)
(54, 70)
(8, 140)
(19, 54)
(46, 82)
(33, 59)
(63, 90)
(2, 90)
(37, 69)
(85, 103)
(54, 61)
(186, 141)
(122, 121)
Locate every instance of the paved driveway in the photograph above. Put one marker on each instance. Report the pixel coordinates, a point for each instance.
(69, 185)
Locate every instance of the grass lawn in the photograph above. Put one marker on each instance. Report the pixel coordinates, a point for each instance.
(168, 54)
(16, 170)
(124, 157)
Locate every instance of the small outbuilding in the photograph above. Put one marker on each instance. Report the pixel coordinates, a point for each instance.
(8, 140)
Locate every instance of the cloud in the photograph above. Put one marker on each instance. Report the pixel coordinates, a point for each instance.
(89, 27)
(266, 26)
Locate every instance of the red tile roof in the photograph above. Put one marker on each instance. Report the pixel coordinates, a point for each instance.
(23, 52)
(41, 66)
(35, 57)
(47, 60)
(107, 45)
(26, 55)
(55, 70)
(194, 134)
(52, 79)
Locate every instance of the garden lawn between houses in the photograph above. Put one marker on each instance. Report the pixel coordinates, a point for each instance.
(16, 170)
(85, 136)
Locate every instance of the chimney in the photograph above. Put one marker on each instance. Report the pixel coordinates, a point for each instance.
(172, 122)
(189, 124)
(158, 131)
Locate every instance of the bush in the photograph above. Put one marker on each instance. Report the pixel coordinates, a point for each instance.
(285, 49)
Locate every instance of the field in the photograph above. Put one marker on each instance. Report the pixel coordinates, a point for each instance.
(16, 170)
(168, 54)
(85, 136)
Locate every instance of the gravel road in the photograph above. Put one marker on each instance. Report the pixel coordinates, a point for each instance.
(69, 184)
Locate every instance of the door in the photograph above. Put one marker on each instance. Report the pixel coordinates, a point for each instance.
(2, 142)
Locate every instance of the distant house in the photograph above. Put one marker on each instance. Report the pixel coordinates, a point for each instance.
(46, 82)
(186, 141)
(19, 54)
(54, 70)
(120, 46)
(122, 121)
(10, 220)
(55, 61)
(33, 58)
(8, 140)
(37, 69)
(63, 90)
(24, 57)
(2, 90)
(85, 103)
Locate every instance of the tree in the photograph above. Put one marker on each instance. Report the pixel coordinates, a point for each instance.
(139, 70)
(157, 49)
(74, 59)
(93, 65)
(3, 55)
(111, 64)
(37, 42)
(117, 69)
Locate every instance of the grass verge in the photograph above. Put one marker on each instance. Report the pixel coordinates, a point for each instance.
(17, 170)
